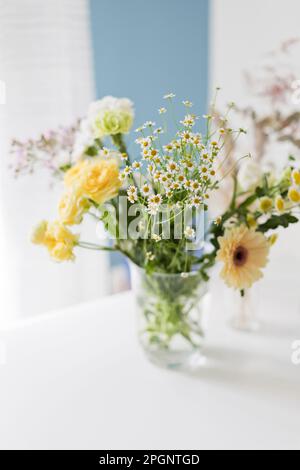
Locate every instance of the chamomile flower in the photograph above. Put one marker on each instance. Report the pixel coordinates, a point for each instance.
(188, 121)
(187, 104)
(296, 177)
(162, 110)
(294, 195)
(152, 209)
(156, 199)
(145, 143)
(132, 190)
(127, 170)
(279, 204)
(156, 238)
(159, 130)
(149, 124)
(122, 176)
(175, 186)
(181, 179)
(146, 154)
(146, 190)
(139, 129)
(124, 156)
(186, 136)
(188, 164)
(196, 202)
(153, 153)
(150, 256)
(169, 96)
(163, 179)
(188, 184)
(105, 152)
(132, 194)
(168, 148)
(196, 139)
(189, 233)
(265, 204)
(172, 167)
(157, 176)
(136, 165)
(195, 186)
(151, 168)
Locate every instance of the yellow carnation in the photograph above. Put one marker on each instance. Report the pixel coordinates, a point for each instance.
(244, 252)
(71, 208)
(294, 195)
(57, 239)
(265, 204)
(39, 232)
(73, 175)
(296, 177)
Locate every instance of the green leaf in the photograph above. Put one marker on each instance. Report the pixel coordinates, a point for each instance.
(276, 221)
(92, 151)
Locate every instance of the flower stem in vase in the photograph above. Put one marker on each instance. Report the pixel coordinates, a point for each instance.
(244, 317)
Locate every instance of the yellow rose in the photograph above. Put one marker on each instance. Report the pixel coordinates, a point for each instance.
(71, 208)
(100, 180)
(57, 239)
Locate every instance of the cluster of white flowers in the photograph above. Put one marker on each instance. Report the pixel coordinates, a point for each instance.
(183, 169)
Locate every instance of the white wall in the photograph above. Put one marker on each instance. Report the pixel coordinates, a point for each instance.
(46, 62)
(242, 32)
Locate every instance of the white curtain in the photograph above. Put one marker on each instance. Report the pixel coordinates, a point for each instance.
(46, 64)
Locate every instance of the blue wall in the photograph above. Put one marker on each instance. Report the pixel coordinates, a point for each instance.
(144, 49)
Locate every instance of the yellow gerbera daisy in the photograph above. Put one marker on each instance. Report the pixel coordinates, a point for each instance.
(244, 252)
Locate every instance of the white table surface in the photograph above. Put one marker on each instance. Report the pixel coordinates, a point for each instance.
(78, 379)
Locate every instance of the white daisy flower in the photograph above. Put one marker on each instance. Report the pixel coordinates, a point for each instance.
(146, 190)
(169, 96)
(187, 104)
(156, 199)
(162, 110)
(189, 233)
(149, 124)
(172, 166)
(196, 202)
(136, 165)
(156, 238)
(150, 256)
(168, 148)
(127, 170)
(195, 186)
(188, 121)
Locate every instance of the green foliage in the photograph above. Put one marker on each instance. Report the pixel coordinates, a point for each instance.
(277, 221)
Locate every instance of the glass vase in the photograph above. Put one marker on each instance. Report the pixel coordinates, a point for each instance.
(171, 316)
(244, 308)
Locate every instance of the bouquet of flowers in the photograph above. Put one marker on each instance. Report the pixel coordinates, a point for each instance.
(154, 208)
